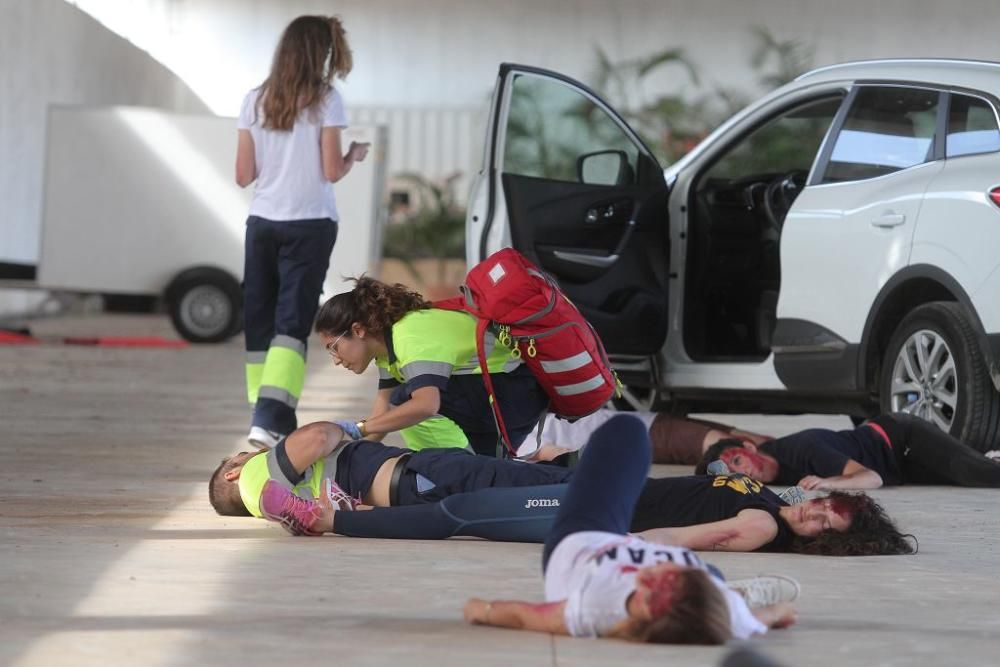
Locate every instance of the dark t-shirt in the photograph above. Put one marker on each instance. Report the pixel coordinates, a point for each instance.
(824, 453)
(674, 502)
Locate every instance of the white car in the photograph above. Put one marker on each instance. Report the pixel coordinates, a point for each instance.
(834, 247)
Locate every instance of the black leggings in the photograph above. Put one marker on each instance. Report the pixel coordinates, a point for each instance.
(518, 514)
(928, 455)
(606, 485)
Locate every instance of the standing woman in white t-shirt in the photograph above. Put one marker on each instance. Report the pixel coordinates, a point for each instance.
(290, 144)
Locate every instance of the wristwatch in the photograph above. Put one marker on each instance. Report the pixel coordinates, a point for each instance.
(361, 428)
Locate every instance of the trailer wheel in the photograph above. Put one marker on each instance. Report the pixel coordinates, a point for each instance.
(205, 305)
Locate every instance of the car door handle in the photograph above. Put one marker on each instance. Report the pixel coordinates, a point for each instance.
(889, 220)
(600, 261)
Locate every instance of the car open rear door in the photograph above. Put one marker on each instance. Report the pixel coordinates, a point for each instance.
(570, 185)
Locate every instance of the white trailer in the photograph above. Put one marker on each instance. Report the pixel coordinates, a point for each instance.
(141, 201)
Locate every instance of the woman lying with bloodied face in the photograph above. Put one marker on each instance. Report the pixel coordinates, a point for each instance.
(601, 582)
(733, 512)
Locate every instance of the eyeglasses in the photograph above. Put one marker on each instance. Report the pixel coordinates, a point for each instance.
(331, 347)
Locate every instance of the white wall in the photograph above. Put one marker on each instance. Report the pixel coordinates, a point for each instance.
(53, 53)
(443, 52)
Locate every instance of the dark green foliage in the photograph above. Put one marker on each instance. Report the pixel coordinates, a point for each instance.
(434, 229)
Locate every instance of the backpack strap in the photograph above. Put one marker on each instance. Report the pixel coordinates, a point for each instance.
(481, 326)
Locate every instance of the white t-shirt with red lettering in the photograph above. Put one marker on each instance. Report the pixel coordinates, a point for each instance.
(595, 572)
(290, 181)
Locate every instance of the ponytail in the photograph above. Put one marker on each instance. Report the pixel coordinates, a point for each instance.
(341, 56)
(373, 304)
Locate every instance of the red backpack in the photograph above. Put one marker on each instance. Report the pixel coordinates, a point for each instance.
(532, 316)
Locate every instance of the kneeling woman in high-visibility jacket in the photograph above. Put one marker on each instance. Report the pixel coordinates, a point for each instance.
(430, 384)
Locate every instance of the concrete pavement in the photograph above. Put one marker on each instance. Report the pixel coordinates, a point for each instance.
(111, 555)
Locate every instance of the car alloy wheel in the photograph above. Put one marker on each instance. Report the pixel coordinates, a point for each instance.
(925, 379)
(934, 368)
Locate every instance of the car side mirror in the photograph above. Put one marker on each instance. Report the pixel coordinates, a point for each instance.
(608, 167)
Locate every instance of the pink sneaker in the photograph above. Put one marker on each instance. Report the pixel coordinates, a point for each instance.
(296, 515)
(338, 497)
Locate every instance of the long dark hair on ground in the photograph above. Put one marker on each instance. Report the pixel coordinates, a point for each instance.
(870, 533)
(372, 303)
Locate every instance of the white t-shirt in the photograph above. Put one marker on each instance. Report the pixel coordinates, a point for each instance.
(595, 573)
(574, 435)
(290, 182)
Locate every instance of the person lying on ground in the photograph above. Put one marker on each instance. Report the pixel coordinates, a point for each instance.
(676, 440)
(732, 512)
(602, 582)
(888, 450)
(373, 473)
(610, 475)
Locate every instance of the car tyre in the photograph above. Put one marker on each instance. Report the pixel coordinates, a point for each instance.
(205, 305)
(934, 368)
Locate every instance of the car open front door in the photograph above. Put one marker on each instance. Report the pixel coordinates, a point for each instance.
(570, 185)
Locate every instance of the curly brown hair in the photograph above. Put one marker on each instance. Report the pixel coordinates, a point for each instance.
(373, 304)
(311, 52)
(870, 533)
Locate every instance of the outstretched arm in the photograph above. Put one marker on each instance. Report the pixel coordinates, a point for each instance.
(336, 163)
(381, 406)
(537, 617)
(423, 404)
(747, 531)
(854, 476)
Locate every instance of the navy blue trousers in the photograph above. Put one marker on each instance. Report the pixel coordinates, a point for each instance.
(612, 469)
(606, 483)
(518, 514)
(285, 263)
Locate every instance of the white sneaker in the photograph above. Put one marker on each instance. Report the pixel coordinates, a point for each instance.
(993, 455)
(766, 589)
(261, 438)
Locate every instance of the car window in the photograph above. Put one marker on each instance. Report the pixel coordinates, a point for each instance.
(886, 129)
(550, 125)
(784, 144)
(972, 127)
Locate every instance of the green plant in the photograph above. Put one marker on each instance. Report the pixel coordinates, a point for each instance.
(787, 58)
(672, 124)
(434, 229)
